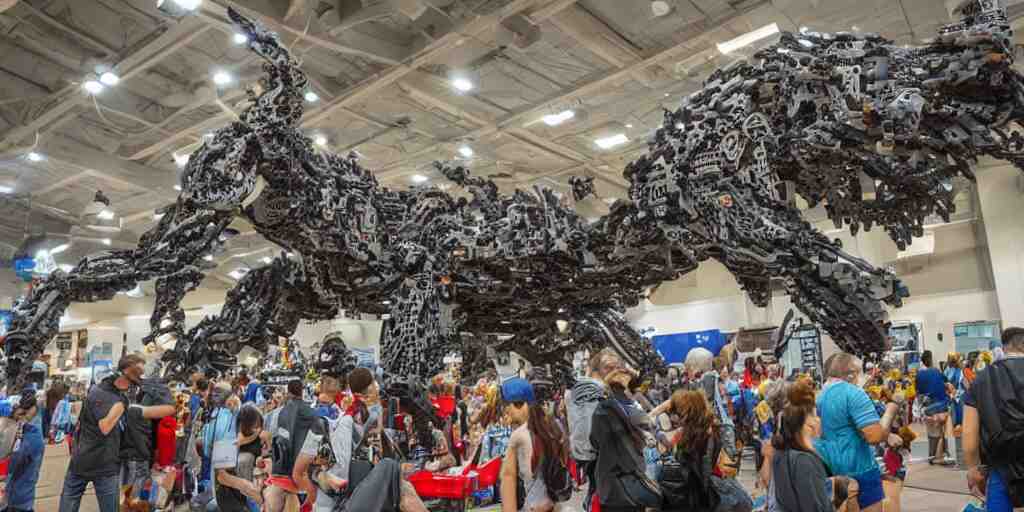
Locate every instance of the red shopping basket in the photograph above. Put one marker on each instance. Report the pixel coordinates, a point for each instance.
(487, 473)
(432, 485)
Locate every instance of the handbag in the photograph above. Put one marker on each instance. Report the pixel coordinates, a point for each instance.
(224, 454)
(640, 489)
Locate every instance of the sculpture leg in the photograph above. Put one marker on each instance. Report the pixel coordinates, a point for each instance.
(417, 338)
(268, 302)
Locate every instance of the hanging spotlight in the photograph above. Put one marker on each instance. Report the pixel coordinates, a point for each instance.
(559, 118)
(418, 178)
(222, 78)
(466, 152)
(34, 157)
(267, 259)
(180, 160)
(311, 97)
(99, 216)
(208, 257)
(462, 84)
(105, 241)
(92, 85)
(177, 187)
(240, 38)
(177, 8)
(320, 140)
(109, 78)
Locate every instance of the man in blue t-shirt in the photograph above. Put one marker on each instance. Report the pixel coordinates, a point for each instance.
(850, 425)
(931, 388)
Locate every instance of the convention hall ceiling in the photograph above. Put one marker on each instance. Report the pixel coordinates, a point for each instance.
(382, 84)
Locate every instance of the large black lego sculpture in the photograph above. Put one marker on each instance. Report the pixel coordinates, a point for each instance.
(524, 272)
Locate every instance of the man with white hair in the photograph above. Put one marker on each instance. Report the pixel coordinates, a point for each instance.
(850, 425)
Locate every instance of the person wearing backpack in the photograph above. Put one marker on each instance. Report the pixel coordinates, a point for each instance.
(993, 428)
(534, 477)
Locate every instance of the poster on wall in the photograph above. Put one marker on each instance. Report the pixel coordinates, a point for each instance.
(674, 347)
(365, 358)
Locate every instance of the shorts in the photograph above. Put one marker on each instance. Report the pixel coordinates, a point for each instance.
(283, 482)
(135, 473)
(936, 408)
(871, 490)
(997, 495)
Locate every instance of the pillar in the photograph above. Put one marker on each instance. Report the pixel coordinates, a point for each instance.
(1001, 198)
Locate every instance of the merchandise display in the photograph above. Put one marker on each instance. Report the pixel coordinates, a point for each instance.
(523, 272)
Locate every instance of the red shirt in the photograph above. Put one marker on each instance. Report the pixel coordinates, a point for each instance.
(166, 439)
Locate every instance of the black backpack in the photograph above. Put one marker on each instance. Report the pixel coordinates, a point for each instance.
(684, 486)
(556, 479)
(1000, 403)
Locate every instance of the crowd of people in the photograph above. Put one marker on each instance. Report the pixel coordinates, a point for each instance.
(339, 442)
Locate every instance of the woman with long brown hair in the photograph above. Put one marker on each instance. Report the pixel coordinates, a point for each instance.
(800, 479)
(536, 453)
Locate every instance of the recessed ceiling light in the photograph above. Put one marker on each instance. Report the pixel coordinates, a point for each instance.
(221, 78)
(559, 118)
(34, 157)
(320, 140)
(92, 86)
(109, 78)
(466, 151)
(177, 187)
(267, 260)
(629, 126)
(660, 8)
(419, 178)
(105, 215)
(180, 160)
(208, 257)
(748, 38)
(667, 95)
(238, 273)
(6, 189)
(610, 142)
(462, 84)
(239, 38)
(105, 241)
(311, 97)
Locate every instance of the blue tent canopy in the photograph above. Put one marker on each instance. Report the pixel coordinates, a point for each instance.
(674, 347)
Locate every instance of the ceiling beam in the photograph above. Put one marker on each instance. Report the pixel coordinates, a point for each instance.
(428, 55)
(146, 56)
(74, 32)
(592, 86)
(595, 35)
(109, 166)
(216, 15)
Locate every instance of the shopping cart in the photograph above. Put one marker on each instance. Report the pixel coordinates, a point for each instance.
(454, 493)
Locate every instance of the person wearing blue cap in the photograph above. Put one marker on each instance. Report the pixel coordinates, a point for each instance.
(27, 458)
(531, 481)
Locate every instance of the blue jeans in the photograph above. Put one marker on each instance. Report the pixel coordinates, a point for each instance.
(997, 495)
(107, 490)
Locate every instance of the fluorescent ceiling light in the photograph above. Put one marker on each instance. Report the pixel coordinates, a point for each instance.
(559, 118)
(109, 78)
(6, 190)
(105, 241)
(60, 248)
(34, 157)
(221, 78)
(92, 86)
(462, 84)
(311, 97)
(419, 178)
(748, 38)
(610, 142)
(190, 5)
(105, 215)
(466, 151)
(320, 140)
(240, 38)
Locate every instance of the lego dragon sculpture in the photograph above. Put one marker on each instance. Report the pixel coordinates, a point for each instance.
(523, 272)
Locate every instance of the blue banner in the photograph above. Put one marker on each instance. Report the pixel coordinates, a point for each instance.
(674, 347)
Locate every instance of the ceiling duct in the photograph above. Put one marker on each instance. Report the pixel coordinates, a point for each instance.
(518, 30)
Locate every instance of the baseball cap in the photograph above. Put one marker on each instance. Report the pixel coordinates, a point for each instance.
(517, 389)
